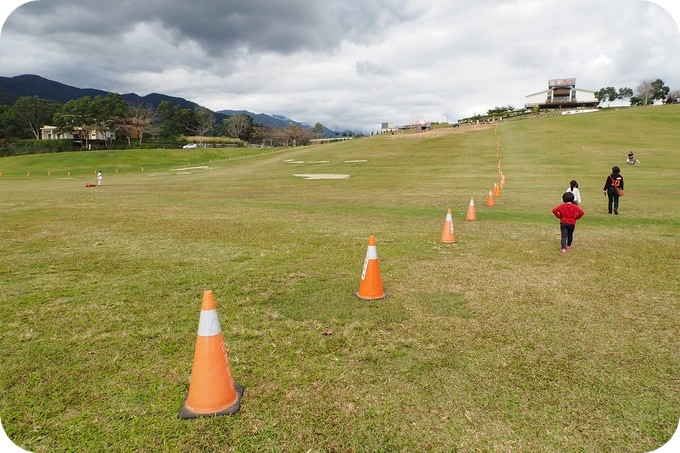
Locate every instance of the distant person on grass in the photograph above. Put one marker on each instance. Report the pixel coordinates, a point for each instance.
(100, 178)
(568, 213)
(611, 188)
(573, 188)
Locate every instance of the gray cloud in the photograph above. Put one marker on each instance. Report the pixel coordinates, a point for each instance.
(218, 28)
(349, 64)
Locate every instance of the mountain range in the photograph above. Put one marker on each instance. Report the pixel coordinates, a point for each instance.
(12, 88)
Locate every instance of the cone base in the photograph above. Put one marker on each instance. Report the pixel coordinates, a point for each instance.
(185, 413)
(370, 297)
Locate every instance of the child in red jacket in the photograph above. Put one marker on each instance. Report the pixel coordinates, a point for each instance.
(568, 213)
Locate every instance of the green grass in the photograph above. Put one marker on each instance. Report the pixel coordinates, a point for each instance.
(494, 343)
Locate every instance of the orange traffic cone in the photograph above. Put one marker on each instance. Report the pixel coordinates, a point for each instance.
(489, 199)
(471, 214)
(212, 390)
(496, 190)
(371, 287)
(448, 235)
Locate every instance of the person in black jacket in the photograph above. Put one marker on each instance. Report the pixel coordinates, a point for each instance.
(613, 182)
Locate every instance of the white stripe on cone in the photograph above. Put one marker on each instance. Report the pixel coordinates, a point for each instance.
(371, 254)
(208, 324)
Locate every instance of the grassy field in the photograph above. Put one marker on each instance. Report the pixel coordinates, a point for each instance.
(495, 343)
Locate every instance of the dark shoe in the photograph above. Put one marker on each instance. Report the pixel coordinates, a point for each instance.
(616, 211)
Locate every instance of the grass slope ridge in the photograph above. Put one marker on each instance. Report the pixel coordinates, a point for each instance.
(497, 342)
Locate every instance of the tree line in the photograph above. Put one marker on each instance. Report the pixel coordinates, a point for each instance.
(646, 93)
(118, 123)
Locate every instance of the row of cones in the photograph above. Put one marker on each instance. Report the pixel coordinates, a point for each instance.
(371, 287)
(448, 234)
(212, 390)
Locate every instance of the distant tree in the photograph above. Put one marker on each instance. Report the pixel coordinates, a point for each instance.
(176, 121)
(110, 116)
(625, 93)
(280, 137)
(296, 136)
(8, 126)
(264, 134)
(643, 93)
(32, 112)
(649, 91)
(205, 121)
(608, 95)
(660, 90)
(239, 126)
(318, 129)
(167, 112)
(77, 117)
(141, 120)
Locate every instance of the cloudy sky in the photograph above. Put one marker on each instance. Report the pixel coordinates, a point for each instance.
(349, 64)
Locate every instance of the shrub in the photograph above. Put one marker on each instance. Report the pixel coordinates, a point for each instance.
(22, 147)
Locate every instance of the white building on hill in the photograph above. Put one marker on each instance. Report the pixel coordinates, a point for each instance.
(562, 93)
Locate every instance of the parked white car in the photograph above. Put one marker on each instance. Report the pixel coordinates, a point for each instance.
(190, 146)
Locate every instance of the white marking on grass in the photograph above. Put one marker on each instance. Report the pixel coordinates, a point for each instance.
(322, 176)
(202, 167)
(355, 161)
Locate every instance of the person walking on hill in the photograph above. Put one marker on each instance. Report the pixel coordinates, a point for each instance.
(573, 188)
(613, 189)
(568, 213)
